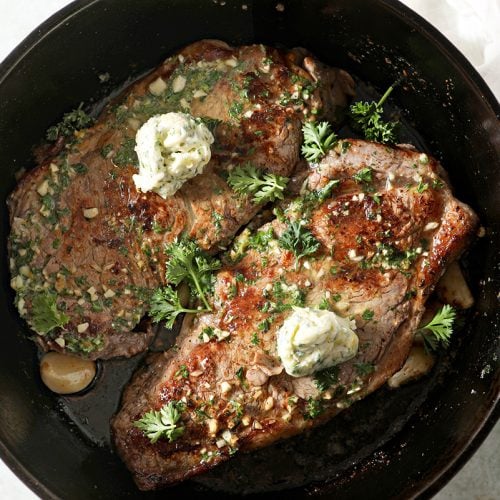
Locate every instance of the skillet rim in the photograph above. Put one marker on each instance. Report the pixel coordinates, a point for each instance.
(435, 480)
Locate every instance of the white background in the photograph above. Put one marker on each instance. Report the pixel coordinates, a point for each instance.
(474, 27)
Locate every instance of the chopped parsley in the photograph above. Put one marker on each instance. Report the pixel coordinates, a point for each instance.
(126, 155)
(320, 195)
(240, 374)
(80, 168)
(260, 240)
(217, 218)
(235, 110)
(364, 176)
(182, 372)
(363, 369)
(367, 315)
(324, 379)
(314, 408)
(84, 345)
(71, 122)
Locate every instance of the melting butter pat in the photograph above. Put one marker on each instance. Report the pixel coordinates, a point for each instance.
(171, 148)
(313, 339)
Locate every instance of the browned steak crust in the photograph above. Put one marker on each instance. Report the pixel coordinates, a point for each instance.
(387, 232)
(103, 268)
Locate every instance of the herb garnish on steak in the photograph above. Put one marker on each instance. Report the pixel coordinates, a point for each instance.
(381, 244)
(92, 248)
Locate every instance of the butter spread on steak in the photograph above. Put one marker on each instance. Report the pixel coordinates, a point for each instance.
(386, 234)
(88, 248)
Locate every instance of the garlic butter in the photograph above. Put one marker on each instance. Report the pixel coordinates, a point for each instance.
(171, 148)
(313, 339)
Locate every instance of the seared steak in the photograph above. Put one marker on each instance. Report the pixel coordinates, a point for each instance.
(386, 233)
(84, 237)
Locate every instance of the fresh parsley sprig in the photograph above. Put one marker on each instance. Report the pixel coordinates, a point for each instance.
(264, 186)
(318, 140)
(187, 263)
(299, 240)
(164, 423)
(44, 313)
(439, 329)
(165, 305)
(367, 117)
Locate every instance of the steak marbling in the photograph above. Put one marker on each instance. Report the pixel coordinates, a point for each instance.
(101, 264)
(387, 232)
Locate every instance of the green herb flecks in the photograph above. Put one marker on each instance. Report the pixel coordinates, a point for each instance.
(182, 372)
(320, 195)
(324, 304)
(286, 298)
(264, 186)
(260, 240)
(390, 257)
(107, 150)
(126, 154)
(421, 187)
(367, 314)
(437, 184)
(217, 219)
(207, 332)
(235, 110)
(324, 379)
(314, 408)
(210, 123)
(364, 369)
(163, 424)
(364, 176)
(80, 168)
(83, 345)
(240, 375)
(71, 122)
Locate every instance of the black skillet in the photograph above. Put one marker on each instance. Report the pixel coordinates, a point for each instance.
(391, 445)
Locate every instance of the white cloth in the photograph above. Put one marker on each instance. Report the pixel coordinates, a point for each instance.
(473, 26)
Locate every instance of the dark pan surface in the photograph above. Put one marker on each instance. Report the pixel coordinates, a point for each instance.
(392, 444)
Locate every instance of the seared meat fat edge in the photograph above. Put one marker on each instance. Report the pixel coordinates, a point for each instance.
(87, 249)
(386, 233)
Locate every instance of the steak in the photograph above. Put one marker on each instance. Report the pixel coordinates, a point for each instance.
(387, 231)
(88, 248)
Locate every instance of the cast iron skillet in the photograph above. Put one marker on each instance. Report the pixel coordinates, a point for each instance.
(392, 444)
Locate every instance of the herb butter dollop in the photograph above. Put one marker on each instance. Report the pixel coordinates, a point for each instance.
(172, 148)
(313, 339)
